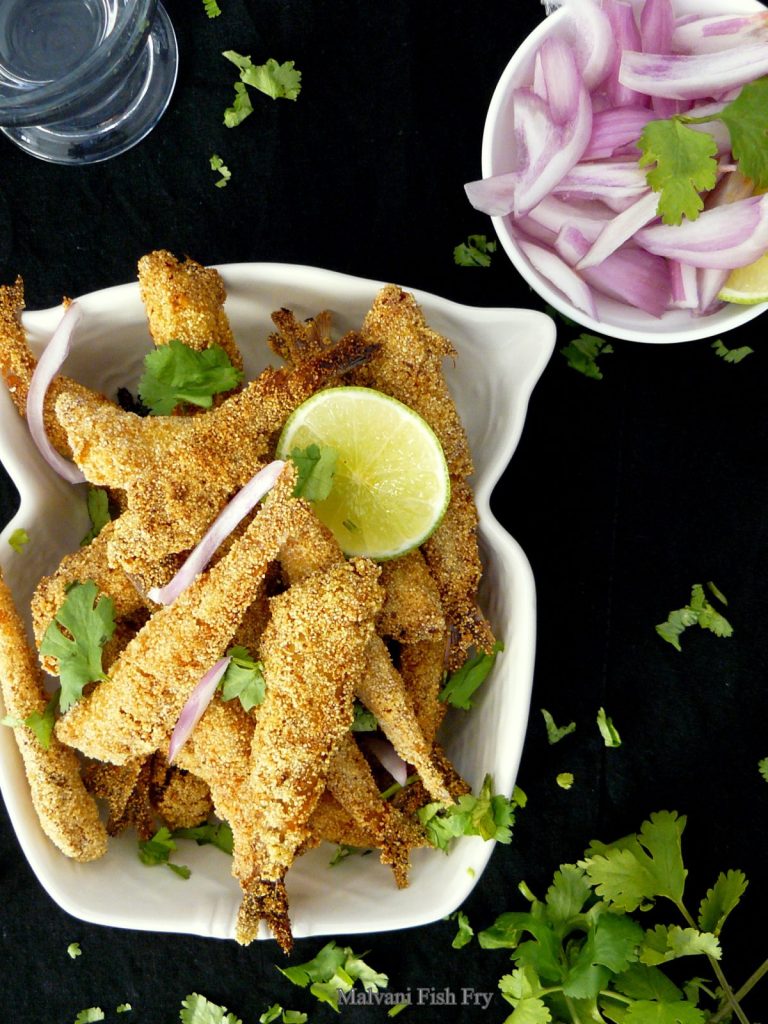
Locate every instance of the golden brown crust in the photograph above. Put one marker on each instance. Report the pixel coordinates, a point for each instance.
(411, 611)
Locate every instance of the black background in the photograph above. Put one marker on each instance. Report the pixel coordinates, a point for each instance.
(623, 492)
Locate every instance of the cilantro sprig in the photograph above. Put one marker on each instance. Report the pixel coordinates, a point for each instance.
(683, 161)
(334, 970)
(315, 468)
(698, 612)
(244, 679)
(461, 684)
(41, 723)
(217, 164)
(279, 81)
(582, 354)
(488, 815)
(475, 252)
(196, 1009)
(175, 374)
(76, 637)
(157, 850)
(580, 948)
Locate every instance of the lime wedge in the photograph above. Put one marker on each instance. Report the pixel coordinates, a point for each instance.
(391, 485)
(747, 285)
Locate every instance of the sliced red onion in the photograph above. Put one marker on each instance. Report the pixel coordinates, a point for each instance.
(627, 35)
(551, 266)
(535, 232)
(591, 37)
(614, 128)
(48, 366)
(685, 285)
(657, 23)
(635, 277)
(554, 214)
(571, 244)
(709, 284)
(388, 757)
(721, 32)
(231, 515)
(692, 76)
(617, 231)
(618, 179)
(195, 707)
(721, 238)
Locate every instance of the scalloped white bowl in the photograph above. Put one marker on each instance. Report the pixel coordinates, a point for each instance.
(502, 353)
(618, 319)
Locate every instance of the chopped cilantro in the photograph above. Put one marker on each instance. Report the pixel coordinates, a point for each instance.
(157, 851)
(393, 1011)
(40, 722)
(217, 164)
(608, 730)
(335, 969)
(364, 720)
(762, 767)
(89, 621)
(98, 510)
(218, 835)
(465, 932)
(344, 850)
(565, 780)
(277, 1013)
(244, 678)
(18, 540)
(475, 252)
(582, 354)
(487, 815)
(74, 951)
(212, 9)
(196, 1009)
(731, 355)
(175, 374)
(462, 684)
(720, 900)
(699, 611)
(315, 467)
(556, 733)
(89, 1016)
(685, 165)
(280, 81)
(123, 1008)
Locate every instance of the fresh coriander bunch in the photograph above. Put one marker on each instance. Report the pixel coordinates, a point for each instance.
(585, 953)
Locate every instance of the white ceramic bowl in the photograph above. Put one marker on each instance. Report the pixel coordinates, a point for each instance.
(615, 318)
(502, 352)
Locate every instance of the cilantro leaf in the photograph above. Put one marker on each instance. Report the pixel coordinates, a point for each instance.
(640, 868)
(219, 835)
(568, 893)
(582, 354)
(74, 951)
(487, 815)
(685, 165)
(217, 164)
(762, 767)
(157, 851)
(462, 684)
(731, 355)
(334, 969)
(89, 619)
(608, 730)
(18, 540)
(522, 989)
(175, 374)
(663, 943)
(244, 678)
(678, 1012)
(556, 733)
(40, 722)
(316, 466)
(196, 1009)
(280, 81)
(364, 720)
(721, 900)
(123, 1008)
(699, 611)
(240, 109)
(212, 9)
(475, 252)
(98, 509)
(344, 850)
(277, 1013)
(639, 981)
(465, 931)
(565, 780)
(746, 118)
(90, 1016)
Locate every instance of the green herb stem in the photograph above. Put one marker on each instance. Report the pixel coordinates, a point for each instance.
(746, 988)
(729, 999)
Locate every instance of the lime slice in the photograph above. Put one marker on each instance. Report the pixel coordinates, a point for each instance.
(747, 285)
(391, 485)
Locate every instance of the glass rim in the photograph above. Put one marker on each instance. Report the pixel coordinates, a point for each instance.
(52, 101)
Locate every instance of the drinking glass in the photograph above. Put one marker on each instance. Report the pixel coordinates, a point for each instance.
(83, 80)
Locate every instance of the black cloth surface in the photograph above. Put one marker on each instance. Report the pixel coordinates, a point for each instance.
(623, 492)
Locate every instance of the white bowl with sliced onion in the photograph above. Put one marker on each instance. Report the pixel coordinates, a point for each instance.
(561, 180)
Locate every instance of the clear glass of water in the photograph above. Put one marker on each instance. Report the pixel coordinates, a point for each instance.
(83, 80)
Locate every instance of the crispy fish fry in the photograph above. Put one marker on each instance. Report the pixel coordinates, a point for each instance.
(296, 341)
(178, 472)
(411, 610)
(17, 364)
(422, 667)
(68, 814)
(131, 714)
(185, 301)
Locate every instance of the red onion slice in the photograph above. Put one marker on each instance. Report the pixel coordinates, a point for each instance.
(619, 230)
(721, 238)
(388, 757)
(48, 366)
(231, 515)
(195, 707)
(617, 179)
(627, 35)
(614, 128)
(685, 285)
(685, 77)
(551, 266)
(591, 37)
(721, 32)
(635, 277)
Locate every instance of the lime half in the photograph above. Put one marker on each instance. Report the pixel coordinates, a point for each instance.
(747, 285)
(391, 485)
